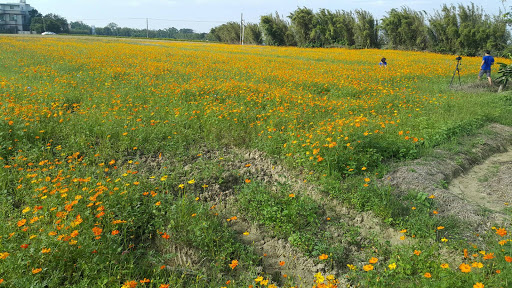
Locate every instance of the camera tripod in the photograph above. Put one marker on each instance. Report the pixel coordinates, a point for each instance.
(456, 70)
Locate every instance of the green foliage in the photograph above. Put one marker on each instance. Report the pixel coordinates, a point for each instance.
(283, 213)
(253, 34)
(227, 33)
(276, 31)
(365, 30)
(333, 28)
(467, 30)
(230, 33)
(504, 74)
(444, 30)
(302, 25)
(79, 27)
(405, 29)
(55, 23)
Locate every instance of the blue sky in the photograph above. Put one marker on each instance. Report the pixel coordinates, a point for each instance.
(202, 15)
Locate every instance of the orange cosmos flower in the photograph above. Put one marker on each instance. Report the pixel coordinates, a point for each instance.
(478, 285)
(115, 232)
(36, 270)
(22, 222)
(233, 264)
(427, 275)
(281, 263)
(508, 259)
(130, 284)
(323, 257)
(4, 255)
(368, 267)
(489, 256)
(501, 231)
(97, 231)
(373, 260)
(465, 268)
(164, 286)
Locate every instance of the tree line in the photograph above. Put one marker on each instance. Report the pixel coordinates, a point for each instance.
(461, 29)
(464, 30)
(58, 24)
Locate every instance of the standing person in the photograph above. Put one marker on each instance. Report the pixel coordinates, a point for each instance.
(383, 63)
(485, 68)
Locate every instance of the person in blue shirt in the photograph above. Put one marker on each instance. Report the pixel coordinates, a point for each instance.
(383, 63)
(485, 68)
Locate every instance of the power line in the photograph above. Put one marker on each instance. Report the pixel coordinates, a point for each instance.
(156, 19)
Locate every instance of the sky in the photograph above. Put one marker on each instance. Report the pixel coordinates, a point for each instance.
(202, 15)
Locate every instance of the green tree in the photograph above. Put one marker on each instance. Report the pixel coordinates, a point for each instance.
(37, 24)
(79, 27)
(345, 23)
(228, 33)
(499, 35)
(276, 31)
(302, 25)
(472, 32)
(114, 28)
(405, 29)
(55, 23)
(324, 29)
(365, 30)
(444, 30)
(253, 34)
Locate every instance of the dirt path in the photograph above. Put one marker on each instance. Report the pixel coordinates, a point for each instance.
(473, 185)
(488, 184)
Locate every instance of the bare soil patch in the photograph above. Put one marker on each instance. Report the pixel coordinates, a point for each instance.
(473, 185)
(257, 166)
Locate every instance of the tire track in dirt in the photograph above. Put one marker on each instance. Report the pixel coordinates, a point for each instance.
(488, 185)
(273, 250)
(480, 179)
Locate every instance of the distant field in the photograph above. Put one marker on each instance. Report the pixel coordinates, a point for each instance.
(116, 156)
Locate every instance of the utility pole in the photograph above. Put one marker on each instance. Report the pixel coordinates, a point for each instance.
(147, 28)
(242, 29)
(243, 33)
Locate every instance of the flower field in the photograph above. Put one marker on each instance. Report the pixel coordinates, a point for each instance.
(111, 150)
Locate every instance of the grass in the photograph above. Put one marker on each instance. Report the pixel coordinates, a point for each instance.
(114, 155)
